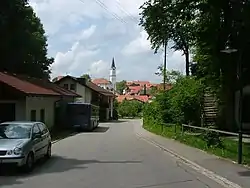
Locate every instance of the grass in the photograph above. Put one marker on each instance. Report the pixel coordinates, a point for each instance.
(229, 150)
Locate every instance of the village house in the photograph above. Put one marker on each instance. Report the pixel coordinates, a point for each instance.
(102, 82)
(31, 99)
(90, 93)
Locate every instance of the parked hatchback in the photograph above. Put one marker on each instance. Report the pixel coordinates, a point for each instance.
(23, 143)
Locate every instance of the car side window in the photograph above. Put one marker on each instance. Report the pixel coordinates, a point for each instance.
(35, 130)
(43, 128)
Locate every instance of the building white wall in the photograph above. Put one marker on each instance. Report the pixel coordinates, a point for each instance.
(112, 78)
(106, 86)
(80, 90)
(38, 103)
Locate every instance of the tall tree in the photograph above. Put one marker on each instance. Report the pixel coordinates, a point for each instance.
(167, 20)
(120, 86)
(171, 76)
(23, 44)
(86, 76)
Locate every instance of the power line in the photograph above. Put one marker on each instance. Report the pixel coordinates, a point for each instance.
(101, 4)
(127, 13)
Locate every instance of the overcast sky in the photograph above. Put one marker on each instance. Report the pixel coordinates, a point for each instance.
(84, 36)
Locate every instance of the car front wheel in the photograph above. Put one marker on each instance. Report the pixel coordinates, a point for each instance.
(29, 165)
(48, 154)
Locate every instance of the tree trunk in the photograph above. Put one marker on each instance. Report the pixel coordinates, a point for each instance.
(187, 62)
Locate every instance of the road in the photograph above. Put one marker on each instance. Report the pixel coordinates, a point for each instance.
(111, 157)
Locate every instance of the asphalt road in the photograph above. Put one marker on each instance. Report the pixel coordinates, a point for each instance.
(111, 157)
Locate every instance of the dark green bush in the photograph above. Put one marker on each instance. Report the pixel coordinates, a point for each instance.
(179, 105)
(213, 139)
(130, 108)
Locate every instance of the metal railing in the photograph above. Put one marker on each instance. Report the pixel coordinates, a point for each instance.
(190, 130)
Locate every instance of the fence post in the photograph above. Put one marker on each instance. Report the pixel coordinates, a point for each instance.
(175, 128)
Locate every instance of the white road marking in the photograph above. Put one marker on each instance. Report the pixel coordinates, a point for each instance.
(215, 177)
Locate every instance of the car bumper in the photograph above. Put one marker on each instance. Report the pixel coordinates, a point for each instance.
(18, 161)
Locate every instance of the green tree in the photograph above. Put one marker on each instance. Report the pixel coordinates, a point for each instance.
(23, 44)
(167, 20)
(120, 86)
(86, 76)
(130, 108)
(171, 76)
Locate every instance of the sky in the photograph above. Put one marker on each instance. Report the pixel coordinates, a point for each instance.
(84, 36)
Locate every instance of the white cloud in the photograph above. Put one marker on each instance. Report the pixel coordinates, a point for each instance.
(98, 69)
(57, 13)
(81, 35)
(175, 60)
(138, 45)
(73, 59)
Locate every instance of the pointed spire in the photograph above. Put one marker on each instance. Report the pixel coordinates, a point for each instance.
(113, 63)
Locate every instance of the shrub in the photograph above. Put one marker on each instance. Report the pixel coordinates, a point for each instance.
(179, 105)
(130, 108)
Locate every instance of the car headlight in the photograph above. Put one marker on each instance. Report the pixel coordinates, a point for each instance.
(10, 152)
(17, 151)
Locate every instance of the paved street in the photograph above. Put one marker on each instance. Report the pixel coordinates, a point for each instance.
(111, 157)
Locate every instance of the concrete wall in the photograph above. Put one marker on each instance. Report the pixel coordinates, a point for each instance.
(88, 95)
(20, 113)
(39, 103)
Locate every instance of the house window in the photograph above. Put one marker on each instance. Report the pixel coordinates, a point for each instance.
(33, 115)
(42, 115)
(66, 86)
(72, 87)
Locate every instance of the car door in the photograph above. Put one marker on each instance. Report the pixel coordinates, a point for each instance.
(37, 141)
(45, 137)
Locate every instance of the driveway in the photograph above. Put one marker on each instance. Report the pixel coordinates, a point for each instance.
(111, 157)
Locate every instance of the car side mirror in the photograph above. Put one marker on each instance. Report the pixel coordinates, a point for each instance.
(36, 136)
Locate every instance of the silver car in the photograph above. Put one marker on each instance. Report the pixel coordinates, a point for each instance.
(23, 143)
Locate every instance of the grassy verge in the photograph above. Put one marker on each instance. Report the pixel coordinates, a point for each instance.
(229, 150)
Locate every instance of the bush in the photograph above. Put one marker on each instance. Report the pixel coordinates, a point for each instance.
(130, 108)
(179, 105)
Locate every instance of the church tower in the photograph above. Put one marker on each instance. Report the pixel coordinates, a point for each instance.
(112, 75)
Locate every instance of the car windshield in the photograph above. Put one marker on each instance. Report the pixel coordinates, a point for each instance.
(15, 131)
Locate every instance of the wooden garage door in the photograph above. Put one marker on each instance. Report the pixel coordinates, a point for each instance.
(7, 112)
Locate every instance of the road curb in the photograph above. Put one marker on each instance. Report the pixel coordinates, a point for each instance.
(215, 177)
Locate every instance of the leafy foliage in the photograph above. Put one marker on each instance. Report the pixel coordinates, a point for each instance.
(120, 86)
(24, 44)
(163, 22)
(171, 76)
(86, 76)
(181, 104)
(130, 108)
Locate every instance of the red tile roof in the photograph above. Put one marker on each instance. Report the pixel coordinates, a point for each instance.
(141, 98)
(141, 83)
(33, 86)
(100, 81)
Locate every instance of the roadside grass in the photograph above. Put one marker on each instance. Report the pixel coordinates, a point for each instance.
(229, 150)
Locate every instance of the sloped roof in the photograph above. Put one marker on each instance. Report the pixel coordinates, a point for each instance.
(34, 86)
(142, 98)
(100, 81)
(90, 85)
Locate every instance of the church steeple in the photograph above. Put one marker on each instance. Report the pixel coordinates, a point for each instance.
(112, 75)
(113, 64)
